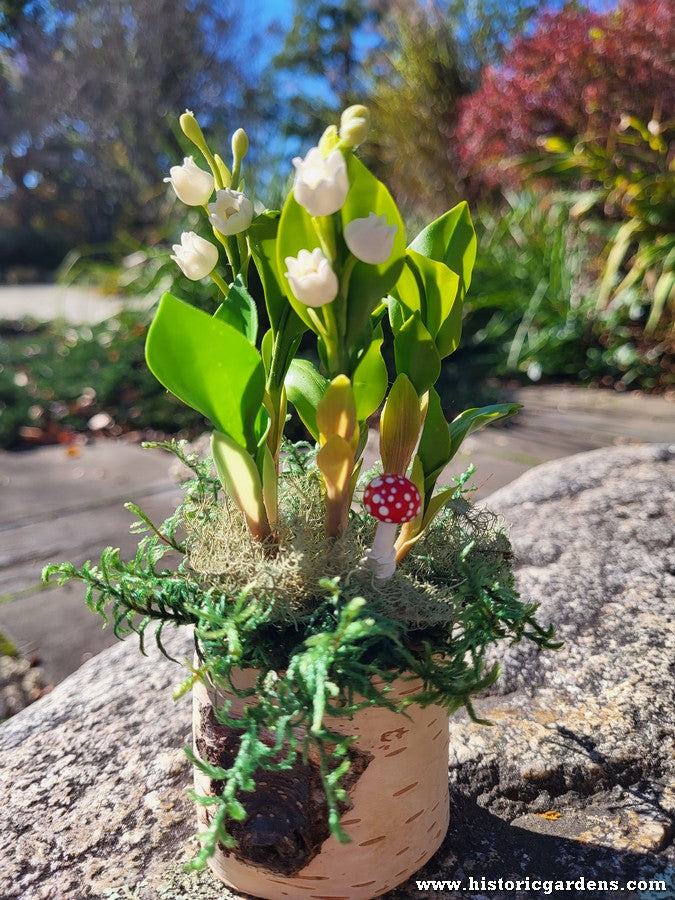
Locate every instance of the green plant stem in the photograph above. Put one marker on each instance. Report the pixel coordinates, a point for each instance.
(338, 358)
(323, 225)
(343, 298)
(244, 258)
(220, 281)
(276, 397)
(225, 243)
(213, 165)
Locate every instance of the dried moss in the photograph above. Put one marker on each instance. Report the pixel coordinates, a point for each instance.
(465, 547)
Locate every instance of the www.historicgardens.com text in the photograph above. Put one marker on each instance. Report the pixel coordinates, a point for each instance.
(545, 886)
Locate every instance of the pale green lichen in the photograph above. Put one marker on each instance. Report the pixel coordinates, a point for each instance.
(464, 549)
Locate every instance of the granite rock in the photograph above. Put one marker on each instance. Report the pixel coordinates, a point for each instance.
(583, 743)
(21, 683)
(574, 780)
(93, 779)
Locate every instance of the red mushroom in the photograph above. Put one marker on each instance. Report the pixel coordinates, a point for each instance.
(392, 500)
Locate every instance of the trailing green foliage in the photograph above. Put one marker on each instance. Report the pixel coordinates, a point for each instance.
(332, 652)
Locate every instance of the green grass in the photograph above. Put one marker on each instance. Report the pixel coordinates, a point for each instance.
(54, 379)
(532, 312)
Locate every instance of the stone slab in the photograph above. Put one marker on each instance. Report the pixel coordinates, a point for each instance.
(55, 627)
(37, 484)
(574, 780)
(68, 504)
(72, 303)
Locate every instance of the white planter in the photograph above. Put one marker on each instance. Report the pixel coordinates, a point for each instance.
(397, 820)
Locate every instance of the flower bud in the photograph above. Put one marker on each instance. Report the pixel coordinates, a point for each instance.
(354, 125)
(239, 146)
(191, 130)
(311, 277)
(320, 184)
(231, 213)
(196, 256)
(191, 184)
(328, 141)
(371, 240)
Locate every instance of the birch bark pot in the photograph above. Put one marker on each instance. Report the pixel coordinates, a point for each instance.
(397, 815)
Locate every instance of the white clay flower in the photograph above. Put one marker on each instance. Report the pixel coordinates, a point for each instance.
(192, 185)
(195, 256)
(320, 184)
(231, 213)
(311, 277)
(371, 240)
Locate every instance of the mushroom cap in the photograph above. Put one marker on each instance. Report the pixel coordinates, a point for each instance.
(392, 498)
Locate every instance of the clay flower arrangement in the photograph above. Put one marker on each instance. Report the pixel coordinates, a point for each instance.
(339, 616)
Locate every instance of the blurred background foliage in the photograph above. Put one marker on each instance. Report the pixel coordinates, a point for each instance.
(554, 119)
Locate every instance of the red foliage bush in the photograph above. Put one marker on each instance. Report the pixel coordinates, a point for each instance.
(577, 73)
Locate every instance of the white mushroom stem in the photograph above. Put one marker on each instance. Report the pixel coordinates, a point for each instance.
(381, 557)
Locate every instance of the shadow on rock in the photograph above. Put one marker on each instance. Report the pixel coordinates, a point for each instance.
(481, 845)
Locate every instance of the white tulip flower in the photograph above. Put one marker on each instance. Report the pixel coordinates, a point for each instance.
(192, 185)
(231, 213)
(311, 277)
(320, 183)
(196, 257)
(371, 240)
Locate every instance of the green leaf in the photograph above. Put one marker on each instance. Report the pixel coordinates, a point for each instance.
(305, 387)
(240, 477)
(397, 313)
(399, 426)
(369, 284)
(261, 427)
(434, 505)
(451, 239)
(434, 450)
(208, 365)
(416, 355)
(296, 233)
(266, 346)
(270, 485)
(584, 201)
(370, 378)
(433, 289)
(262, 236)
(556, 144)
(619, 248)
(239, 310)
(473, 419)
(664, 291)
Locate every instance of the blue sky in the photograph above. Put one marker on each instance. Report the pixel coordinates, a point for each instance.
(278, 9)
